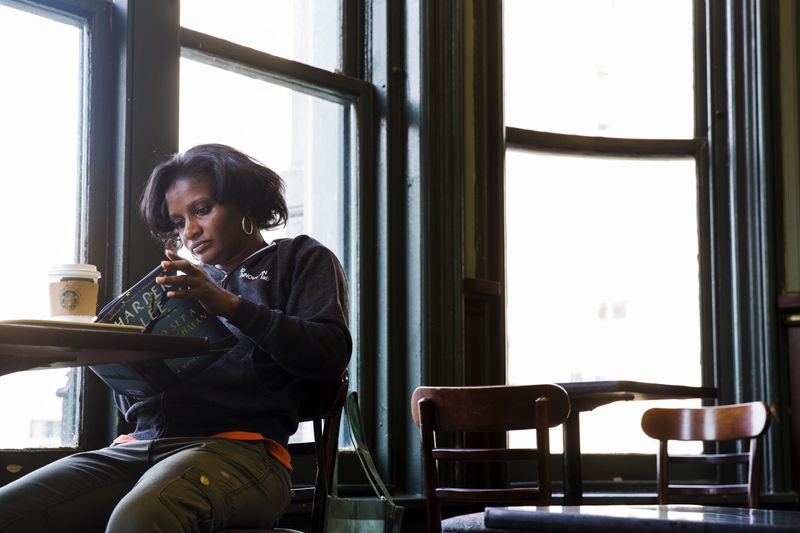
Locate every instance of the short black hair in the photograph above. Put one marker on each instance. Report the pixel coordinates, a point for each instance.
(234, 176)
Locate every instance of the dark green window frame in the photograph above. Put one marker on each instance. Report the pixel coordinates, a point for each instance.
(153, 131)
(132, 91)
(97, 185)
(357, 96)
(734, 146)
(428, 216)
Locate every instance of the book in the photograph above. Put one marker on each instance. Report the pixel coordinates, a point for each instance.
(146, 305)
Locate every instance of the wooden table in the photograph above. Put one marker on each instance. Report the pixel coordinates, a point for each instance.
(638, 518)
(587, 395)
(42, 345)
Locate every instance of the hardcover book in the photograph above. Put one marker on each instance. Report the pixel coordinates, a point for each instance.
(146, 305)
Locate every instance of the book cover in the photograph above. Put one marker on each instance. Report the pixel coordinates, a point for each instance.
(146, 305)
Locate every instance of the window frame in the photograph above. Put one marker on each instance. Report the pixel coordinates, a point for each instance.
(358, 141)
(97, 179)
(600, 469)
(737, 238)
(431, 203)
(155, 132)
(134, 124)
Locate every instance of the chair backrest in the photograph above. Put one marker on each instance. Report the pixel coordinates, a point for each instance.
(709, 424)
(498, 408)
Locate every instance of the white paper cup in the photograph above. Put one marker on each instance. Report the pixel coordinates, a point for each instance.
(73, 292)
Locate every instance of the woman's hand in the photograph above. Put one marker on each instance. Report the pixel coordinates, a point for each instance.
(196, 284)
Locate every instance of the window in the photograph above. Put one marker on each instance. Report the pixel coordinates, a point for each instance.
(42, 112)
(725, 129)
(306, 31)
(98, 93)
(398, 173)
(603, 216)
(305, 123)
(299, 136)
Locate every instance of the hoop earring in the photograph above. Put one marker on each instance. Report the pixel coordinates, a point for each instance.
(252, 226)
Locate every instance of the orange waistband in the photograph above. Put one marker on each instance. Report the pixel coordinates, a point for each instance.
(274, 448)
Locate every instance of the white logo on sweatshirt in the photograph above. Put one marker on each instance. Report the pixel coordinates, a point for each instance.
(263, 275)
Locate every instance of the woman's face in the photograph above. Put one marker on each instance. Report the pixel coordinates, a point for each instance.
(211, 231)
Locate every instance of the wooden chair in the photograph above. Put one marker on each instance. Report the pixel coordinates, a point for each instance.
(464, 410)
(720, 423)
(323, 407)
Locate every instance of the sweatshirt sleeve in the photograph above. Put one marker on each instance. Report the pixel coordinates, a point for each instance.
(309, 337)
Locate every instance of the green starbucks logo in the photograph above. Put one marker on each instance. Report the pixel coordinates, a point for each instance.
(70, 299)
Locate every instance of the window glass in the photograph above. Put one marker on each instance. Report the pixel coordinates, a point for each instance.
(611, 68)
(307, 31)
(300, 137)
(40, 136)
(603, 280)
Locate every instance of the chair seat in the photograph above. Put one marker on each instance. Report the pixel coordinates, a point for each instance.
(468, 522)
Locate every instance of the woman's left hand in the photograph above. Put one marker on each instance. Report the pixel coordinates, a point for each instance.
(196, 284)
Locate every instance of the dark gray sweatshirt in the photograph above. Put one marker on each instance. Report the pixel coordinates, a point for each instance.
(292, 330)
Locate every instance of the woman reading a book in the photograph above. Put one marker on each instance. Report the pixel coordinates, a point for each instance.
(209, 453)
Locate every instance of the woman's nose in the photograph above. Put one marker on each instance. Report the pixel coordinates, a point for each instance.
(191, 230)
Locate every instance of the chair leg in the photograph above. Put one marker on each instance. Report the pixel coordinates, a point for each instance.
(544, 481)
(432, 504)
(321, 484)
(662, 473)
(754, 475)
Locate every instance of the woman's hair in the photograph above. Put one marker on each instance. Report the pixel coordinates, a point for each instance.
(235, 177)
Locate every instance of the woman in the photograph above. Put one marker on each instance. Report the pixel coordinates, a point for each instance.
(210, 453)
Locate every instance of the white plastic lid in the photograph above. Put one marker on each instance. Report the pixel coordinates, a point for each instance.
(74, 270)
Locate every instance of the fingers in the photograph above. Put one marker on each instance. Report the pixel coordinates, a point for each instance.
(192, 282)
(179, 292)
(184, 265)
(181, 286)
(180, 280)
(177, 264)
(173, 287)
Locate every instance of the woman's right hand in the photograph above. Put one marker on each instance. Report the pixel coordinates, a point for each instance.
(196, 284)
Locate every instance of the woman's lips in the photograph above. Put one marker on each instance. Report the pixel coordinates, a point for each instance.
(198, 248)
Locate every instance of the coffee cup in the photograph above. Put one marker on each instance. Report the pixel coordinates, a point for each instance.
(73, 292)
